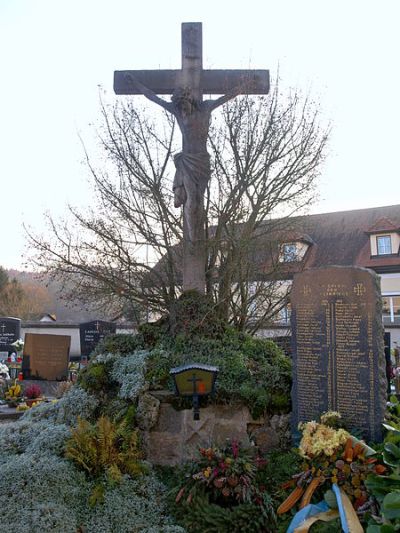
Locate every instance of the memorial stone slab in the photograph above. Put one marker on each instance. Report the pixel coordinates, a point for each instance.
(337, 346)
(46, 356)
(91, 333)
(10, 331)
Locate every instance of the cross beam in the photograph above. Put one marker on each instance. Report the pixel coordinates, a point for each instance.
(207, 81)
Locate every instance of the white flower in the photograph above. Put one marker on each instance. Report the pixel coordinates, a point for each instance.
(18, 345)
(4, 370)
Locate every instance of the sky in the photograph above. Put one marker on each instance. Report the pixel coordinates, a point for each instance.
(55, 54)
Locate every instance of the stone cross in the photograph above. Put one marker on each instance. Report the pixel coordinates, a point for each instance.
(187, 87)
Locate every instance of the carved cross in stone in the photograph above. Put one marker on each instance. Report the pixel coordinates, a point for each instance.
(193, 114)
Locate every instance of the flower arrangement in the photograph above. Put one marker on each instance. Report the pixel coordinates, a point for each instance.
(32, 392)
(227, 474)
(332, 457)
(18, 345)
(320, 439)
(33, 395)
(13, 394)
(4, 373)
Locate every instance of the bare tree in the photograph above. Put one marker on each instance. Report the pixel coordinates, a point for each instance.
(126, 249)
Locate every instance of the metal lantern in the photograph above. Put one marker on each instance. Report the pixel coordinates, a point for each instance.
(194, 380)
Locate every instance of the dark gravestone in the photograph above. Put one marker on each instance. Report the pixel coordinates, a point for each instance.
(337, 346)
(93, 332)
(10, 331)
(46, 356)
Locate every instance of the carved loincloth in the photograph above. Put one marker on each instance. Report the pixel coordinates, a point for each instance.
(191, 178)
(192, 172)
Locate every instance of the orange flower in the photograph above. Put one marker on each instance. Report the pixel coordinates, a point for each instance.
(380, 469)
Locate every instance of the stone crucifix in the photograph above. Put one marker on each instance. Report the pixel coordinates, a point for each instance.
(193, 114)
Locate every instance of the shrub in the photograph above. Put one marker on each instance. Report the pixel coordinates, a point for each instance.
(105, 448)
(196, 314)
(262, 382)
(119, 343)
(129, 373)
(32, 487)
(95, 378)
(133, 505)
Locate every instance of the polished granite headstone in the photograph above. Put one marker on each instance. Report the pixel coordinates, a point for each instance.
(91, 333)
(337, 344)
(10, 331)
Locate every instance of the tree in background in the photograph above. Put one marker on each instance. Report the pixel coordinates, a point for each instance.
(125, 250)
(25, 300)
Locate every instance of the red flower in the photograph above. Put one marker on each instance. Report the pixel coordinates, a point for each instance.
(235, 449)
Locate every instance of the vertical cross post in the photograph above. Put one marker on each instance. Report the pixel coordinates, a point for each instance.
(192, 58)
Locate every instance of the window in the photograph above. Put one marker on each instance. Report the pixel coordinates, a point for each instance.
(384, 245)
(286, 312)
(391, 309)
(289, 253)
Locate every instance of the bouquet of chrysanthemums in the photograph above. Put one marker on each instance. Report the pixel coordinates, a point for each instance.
(335, 467)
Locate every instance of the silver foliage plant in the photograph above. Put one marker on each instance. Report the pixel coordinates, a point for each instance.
(129, 372)
(42, 491)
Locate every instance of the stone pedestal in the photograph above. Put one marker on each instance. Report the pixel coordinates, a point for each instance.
(175, 437)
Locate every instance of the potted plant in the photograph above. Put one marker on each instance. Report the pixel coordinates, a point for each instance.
(32, 394)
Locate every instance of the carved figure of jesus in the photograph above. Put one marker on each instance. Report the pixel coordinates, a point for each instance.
(193, 163)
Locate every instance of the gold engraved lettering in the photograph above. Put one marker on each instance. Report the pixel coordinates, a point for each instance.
(359, 289)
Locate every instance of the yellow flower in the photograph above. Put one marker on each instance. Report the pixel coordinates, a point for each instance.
(319, 439)
(207, 472)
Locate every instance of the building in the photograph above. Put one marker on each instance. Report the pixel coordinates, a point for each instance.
(367, 238)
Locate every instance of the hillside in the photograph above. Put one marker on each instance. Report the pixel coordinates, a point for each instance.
(51, 299)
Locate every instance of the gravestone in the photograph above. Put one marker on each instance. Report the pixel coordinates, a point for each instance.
(337, 346)
(46, 356)
(10, 331)
(91, 333)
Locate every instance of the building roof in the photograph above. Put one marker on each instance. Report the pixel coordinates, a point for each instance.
(339, 238)
(383, 225)
(342, 238)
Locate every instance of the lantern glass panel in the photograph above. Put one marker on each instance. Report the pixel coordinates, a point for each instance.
(204, 380)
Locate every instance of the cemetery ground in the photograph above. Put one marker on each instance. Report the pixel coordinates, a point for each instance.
(79, 464)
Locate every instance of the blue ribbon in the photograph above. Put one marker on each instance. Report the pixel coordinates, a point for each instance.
(342, 513)
(313, 509)
(307, 512)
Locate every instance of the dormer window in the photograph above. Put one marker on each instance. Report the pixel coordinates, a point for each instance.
(294, 251)
(384, 244)
(289, 253)
(384, 238)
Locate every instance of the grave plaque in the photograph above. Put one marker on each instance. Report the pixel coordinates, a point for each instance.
(93, 332)
(46, 356)
(337, 344)
(10, 331)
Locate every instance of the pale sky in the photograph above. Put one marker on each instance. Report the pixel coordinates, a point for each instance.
(55, 54)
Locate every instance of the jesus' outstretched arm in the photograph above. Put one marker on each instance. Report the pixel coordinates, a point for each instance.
(148, 93)
(213, 104)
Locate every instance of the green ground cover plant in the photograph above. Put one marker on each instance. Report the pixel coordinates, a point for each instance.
(76, 464)
(66, 468)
